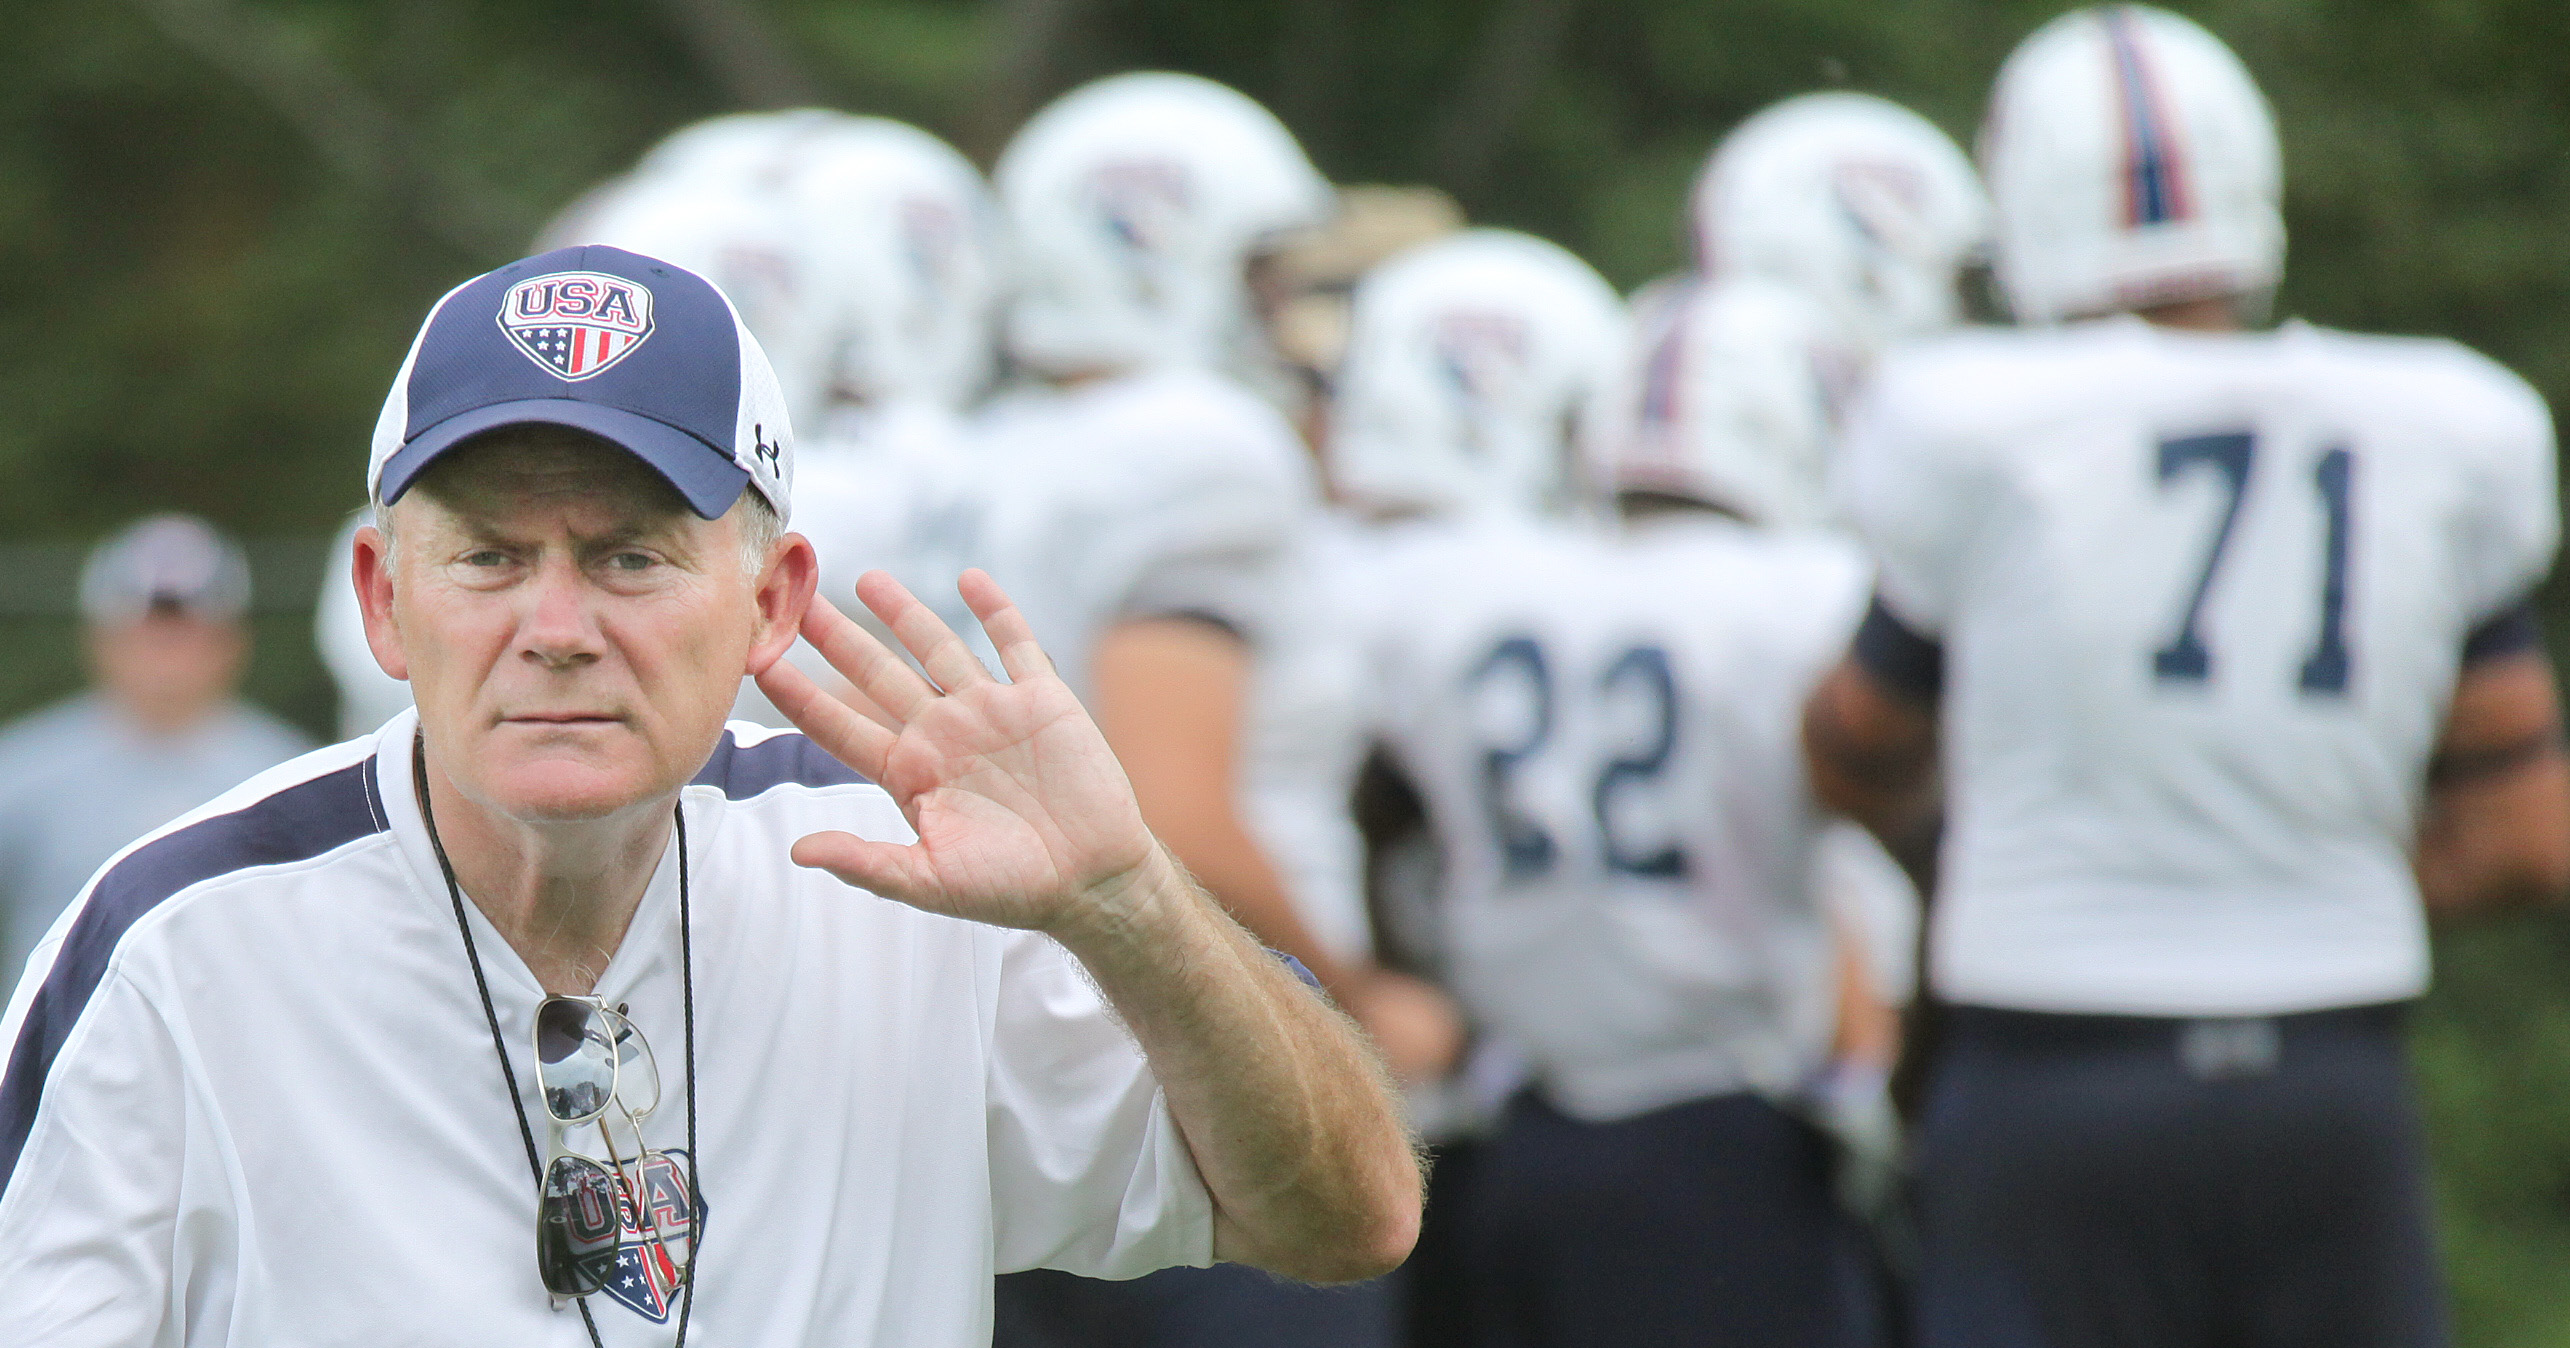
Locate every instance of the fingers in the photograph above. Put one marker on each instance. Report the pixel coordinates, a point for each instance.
(885, 678)
(939, 651)
(1009, 631)
(842, 731)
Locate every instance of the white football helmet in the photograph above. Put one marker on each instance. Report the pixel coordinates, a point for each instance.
(899, 239)
(1134, 204)
(713, 199)
(1731, 396)
(1858, 202)
(1476, 366)
(2134, 163)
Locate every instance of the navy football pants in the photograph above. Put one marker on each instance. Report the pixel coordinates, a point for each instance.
(2137, 1182)
(1708, 1223)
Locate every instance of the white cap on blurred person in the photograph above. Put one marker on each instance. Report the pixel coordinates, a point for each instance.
(2134, 163)
(1474, 365)
(174, 564)
(897, 243)
(1858, 202)
(639, 352)
(1134, 206)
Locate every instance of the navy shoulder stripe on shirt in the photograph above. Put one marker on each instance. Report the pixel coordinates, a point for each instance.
(297, 823)
(746, 770)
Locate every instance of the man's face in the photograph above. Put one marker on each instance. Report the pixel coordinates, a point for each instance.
(168, 669)
(572, 634)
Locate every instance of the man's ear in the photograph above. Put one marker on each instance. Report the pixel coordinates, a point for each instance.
(370, 569)
(784, 591)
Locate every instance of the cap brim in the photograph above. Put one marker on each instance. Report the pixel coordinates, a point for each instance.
(705, 476)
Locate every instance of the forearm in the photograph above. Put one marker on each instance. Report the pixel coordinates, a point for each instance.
(1873, 759)
(2494, 832)
(2490, 847)
(1211, 843)
(1292, 1122)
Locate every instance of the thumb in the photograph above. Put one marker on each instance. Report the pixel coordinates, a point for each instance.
(893, 870)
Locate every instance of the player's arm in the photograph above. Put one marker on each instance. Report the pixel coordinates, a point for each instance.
(1172, 695)
(1870, 740)
(1025, 819)
(2494, 832)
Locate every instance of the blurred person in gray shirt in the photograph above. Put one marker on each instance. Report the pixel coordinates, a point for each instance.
(158, 733)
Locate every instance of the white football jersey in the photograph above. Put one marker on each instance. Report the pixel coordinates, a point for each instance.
(2202, 600)
(1156, 494)
(1606, 732)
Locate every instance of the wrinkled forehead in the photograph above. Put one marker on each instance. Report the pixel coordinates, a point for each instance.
(524, 473)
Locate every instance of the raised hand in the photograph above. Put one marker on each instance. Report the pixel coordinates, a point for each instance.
(1024, 817)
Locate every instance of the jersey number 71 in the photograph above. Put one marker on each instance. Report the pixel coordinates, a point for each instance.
(2233, 454)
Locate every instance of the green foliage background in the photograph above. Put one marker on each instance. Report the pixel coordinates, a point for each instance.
(219, 220)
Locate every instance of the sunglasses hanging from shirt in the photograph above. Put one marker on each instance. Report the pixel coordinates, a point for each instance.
(593, 1068)
(591, 1065)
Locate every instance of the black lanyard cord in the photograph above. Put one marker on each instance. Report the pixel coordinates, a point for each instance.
(499, 1044)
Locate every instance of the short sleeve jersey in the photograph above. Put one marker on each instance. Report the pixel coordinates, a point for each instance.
(1604, 730)
(251, 1098)
(2202, 600)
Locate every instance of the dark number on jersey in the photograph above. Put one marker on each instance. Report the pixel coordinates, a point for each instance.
(1526, 850)
(2232, 454)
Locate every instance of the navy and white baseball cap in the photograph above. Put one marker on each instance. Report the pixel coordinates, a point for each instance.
(642, 353)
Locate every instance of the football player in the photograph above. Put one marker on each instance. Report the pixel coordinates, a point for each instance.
(1600, 721)
(2209, 645)
(1469, 367)
(1828, 227)
(1138, 207)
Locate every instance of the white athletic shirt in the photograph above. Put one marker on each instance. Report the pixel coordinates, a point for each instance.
(1606, 732)
(2202, 600)
(251, 1098)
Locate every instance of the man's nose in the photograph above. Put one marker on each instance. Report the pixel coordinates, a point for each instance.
(559, 632)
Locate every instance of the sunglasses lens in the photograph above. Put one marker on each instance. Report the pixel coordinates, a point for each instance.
(575, 1059)
(576, 1227)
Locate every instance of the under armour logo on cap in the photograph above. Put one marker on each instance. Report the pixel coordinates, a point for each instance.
(577, 323)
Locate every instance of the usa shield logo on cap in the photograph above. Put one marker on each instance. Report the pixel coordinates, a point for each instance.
(577, 323)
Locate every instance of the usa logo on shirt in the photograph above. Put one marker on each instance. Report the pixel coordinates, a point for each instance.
(647, 1270)
(577, 323)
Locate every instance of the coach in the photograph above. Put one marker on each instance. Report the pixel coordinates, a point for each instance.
(557, 1012)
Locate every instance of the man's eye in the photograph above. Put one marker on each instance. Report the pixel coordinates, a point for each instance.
(630, 561)
(486, 557)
